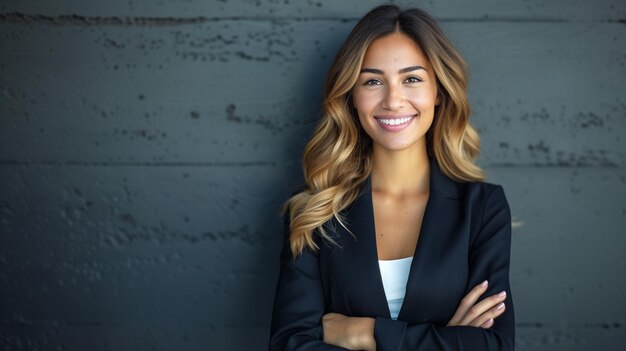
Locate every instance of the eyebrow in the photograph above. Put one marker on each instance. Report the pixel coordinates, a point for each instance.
(404, 70)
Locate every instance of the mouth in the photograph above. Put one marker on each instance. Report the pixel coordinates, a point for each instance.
(394, 123)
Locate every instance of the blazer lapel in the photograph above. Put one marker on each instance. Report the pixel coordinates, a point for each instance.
(436, 226)
(360, 219)
(362, 257)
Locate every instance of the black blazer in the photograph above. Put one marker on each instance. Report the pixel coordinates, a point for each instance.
(465, 238)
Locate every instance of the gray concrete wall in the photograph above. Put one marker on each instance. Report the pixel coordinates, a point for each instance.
(145, 148)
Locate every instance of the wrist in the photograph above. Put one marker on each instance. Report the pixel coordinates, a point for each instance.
(365, 333)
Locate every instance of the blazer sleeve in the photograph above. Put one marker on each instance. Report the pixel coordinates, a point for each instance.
(489, 258)
(299, 302)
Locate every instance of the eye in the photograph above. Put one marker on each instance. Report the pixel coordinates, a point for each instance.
(372, 82)
(413, 79)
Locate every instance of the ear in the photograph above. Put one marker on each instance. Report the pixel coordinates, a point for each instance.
(437, 100)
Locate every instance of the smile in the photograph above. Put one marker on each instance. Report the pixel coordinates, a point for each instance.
(396, 123)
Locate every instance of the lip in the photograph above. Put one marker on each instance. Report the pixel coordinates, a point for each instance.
(398, 127)
(395, 116)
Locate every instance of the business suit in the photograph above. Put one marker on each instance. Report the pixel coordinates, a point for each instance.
(464, 239)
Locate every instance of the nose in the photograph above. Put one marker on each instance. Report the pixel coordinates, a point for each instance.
(394, 98)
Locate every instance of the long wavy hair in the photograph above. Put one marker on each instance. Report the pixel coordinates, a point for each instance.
(338, 158)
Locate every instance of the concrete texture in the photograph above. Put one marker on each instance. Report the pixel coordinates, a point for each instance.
(145, 148)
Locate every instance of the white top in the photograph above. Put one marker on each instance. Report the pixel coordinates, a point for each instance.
(395, 274)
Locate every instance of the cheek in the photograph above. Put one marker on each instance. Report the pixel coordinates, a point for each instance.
(365, 103)
(424, 100)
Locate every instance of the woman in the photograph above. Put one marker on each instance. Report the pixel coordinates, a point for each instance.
(387, 245)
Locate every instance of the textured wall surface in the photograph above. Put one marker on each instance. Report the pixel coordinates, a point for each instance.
(145, 147)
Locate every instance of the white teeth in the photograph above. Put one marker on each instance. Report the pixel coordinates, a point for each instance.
(395, 121)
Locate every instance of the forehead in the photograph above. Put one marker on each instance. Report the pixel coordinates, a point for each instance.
(395, 49)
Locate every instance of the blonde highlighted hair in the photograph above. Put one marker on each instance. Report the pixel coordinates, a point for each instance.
(337, 159)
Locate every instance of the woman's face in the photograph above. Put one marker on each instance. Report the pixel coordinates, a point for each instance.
(396, 93)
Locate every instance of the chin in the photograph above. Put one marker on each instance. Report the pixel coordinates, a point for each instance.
(396, 146)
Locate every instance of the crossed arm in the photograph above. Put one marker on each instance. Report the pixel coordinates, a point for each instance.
(300, 322)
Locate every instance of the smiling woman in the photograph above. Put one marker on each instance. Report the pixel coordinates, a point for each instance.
(396, 242)
(390, 100)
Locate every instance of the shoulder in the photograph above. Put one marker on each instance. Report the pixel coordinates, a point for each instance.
(481, 189)
(490, 212)
(484, 195)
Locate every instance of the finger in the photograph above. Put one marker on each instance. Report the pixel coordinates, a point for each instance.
(487, 324)
(482, 307)
(493, 313)
(467, 302)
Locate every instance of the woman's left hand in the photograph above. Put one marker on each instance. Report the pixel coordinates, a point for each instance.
(352, 333)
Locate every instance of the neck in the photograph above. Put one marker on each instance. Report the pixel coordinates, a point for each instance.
(398, 173)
